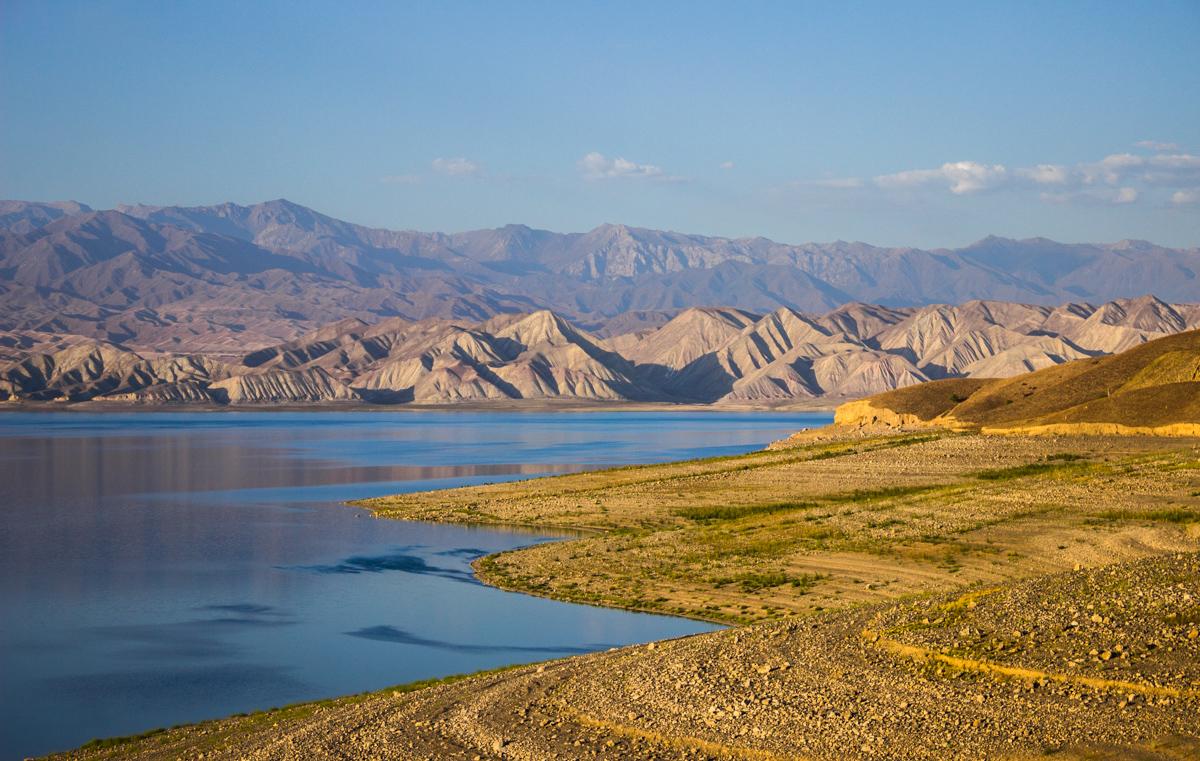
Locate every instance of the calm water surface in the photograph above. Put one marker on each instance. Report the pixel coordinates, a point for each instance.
(158, 568)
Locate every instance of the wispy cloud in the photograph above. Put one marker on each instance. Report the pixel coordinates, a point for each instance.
(456, 167)
(1125, 195)
(1102, 196)
(597, 166)
(961, 177)
(1046, 174)
(1154, 145)
(1172, 170)
(1186, 197)
(727, 165)
(1118, 178)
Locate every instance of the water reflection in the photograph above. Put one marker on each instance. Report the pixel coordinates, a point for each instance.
(398, 561)
(73, 467)
(162, 568)
(385, 633)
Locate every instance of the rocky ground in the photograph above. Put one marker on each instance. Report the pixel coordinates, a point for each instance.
(938, 678)
(904, 597)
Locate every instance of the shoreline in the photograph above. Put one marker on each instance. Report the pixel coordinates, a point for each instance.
(520, 405)
(933, 504)
(551, 534)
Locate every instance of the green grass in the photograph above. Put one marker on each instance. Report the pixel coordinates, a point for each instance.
(873, 495)
(1024, 471)
(101, 743)
(715, 513)
(757, 581)
(1172, 515)
(712, 513)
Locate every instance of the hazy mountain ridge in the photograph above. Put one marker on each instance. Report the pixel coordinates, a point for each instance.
(702, 355)
(226, 277)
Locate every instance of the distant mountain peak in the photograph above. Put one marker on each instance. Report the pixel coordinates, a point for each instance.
(249, 276)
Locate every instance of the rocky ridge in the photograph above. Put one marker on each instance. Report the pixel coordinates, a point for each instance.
(226, 278)
(702, 355)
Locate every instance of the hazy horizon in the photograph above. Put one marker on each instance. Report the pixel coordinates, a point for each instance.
(607, 223)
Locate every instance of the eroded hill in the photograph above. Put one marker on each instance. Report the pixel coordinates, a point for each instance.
(1153, 388)
(702, 355)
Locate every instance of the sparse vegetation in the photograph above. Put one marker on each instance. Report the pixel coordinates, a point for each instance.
(946, 507)
(1173, 515)
(751, 583)
(1025, 471)
(712, 513)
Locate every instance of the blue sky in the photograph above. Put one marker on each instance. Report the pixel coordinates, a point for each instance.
(895, 123)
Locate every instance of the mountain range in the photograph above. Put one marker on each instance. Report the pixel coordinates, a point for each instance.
(701, 355)
(223, 279)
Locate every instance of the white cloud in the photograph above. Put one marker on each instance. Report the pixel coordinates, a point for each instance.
(1164, 169)
(1119, 178)
(1045, 174)
(1110, 169)
(727, 165)
(909, 178)
(597, 166)
(1176, 170)
(1095, 196)
(1154, 145)
(456, 167)
(1125, 195)
(1180, 161)
(1185, 197)
(962, 177)
(1121, 171)
(1105, 171)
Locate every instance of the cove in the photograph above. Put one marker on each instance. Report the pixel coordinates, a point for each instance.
(159, 568)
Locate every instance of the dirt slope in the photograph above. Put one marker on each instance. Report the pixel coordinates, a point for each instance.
(1153, 387)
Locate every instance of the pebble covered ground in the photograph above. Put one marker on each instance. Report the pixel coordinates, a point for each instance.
(1108, 664)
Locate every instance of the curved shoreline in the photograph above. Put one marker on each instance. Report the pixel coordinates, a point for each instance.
(977, 490)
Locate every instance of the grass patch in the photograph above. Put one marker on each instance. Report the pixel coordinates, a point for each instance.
(872, 495)
(1024, 471)
(711, 513)
(756, 582)
(1168, 515)
(714, 513)
(100, 743)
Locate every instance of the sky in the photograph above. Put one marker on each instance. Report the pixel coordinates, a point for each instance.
(924, 124)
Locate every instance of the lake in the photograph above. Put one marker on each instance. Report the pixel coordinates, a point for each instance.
(159, 568)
